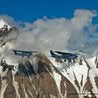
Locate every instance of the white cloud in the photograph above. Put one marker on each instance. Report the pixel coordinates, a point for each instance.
(82, 18)
(60, 33)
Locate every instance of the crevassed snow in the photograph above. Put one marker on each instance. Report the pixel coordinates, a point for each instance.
(68, 72)
(78, 70)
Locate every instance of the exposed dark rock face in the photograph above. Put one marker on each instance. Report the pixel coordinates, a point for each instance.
(48, 81)
(10, 90)
(25, 83)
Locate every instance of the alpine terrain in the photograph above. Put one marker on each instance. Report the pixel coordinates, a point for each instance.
(42, 76)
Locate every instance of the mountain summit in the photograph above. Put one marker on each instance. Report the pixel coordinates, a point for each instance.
(5, 31)
(3, 24)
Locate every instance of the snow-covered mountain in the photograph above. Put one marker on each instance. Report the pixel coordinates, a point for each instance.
(46, 77)
(5, 30)
(3, 24)
(83, 75)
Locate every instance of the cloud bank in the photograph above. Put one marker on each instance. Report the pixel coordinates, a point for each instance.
(77, 33)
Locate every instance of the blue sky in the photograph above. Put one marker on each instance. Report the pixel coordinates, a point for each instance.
(31, 10)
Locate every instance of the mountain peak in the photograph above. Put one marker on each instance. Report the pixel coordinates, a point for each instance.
(3, 24)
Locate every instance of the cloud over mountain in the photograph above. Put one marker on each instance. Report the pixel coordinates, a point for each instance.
(77, 33)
